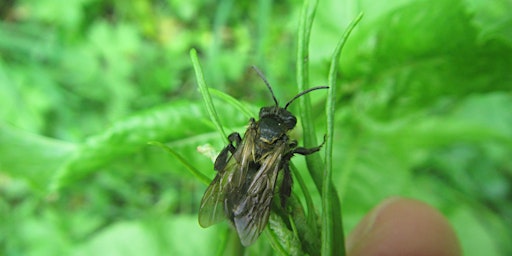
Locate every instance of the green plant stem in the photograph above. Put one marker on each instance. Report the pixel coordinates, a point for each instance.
(310, 214)
(331, 217)
(313, 161)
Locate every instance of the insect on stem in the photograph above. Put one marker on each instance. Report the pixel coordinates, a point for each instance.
(248, 169)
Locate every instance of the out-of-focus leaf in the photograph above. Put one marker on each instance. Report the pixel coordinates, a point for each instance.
(168, 123)
(152, 237)
(32, 157)
(493, 18)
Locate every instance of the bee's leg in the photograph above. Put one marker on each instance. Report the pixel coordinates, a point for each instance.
(222, 158)
(286, 186)
(308, 151)
(234, 137)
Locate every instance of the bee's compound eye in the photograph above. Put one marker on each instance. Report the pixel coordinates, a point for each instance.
(290, 122)
(287, 119)
(265, 111)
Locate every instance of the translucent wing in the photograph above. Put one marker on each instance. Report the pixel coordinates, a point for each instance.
(211, 210)
(251, 208)
(227, 181)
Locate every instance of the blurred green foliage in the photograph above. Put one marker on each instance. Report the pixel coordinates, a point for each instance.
(423, 111)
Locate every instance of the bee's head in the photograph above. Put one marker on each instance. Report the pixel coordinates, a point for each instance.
(282, 117)
(275, 121)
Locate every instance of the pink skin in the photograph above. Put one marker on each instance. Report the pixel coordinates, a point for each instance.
(399, 226)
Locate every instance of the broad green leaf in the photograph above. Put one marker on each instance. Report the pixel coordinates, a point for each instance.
(31, 157)
(168, 123)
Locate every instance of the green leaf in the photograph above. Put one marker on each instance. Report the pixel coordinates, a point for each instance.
(281, 238)
(493, 19)
(31, 157)
(166, 123)
(153, 236)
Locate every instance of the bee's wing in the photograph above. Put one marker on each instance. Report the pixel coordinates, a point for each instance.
(211, 210)
(251, 212)
(231, 178)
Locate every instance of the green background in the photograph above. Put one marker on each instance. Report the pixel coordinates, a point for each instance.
(424, 110)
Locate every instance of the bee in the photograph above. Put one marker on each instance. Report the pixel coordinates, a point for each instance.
(247, 171)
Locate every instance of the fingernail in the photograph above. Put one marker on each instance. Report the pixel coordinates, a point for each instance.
(367, 224)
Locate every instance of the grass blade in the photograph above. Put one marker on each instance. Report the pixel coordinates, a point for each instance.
(229, 99)
(187, 165)
(203, 88)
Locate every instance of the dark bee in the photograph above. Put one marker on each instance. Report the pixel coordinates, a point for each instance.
(247, 171)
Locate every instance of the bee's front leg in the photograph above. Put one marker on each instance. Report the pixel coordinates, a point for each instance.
(222, 158)
(307, 151)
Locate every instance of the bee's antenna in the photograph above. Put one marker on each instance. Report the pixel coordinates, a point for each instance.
(304, 92)
(266, 82)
